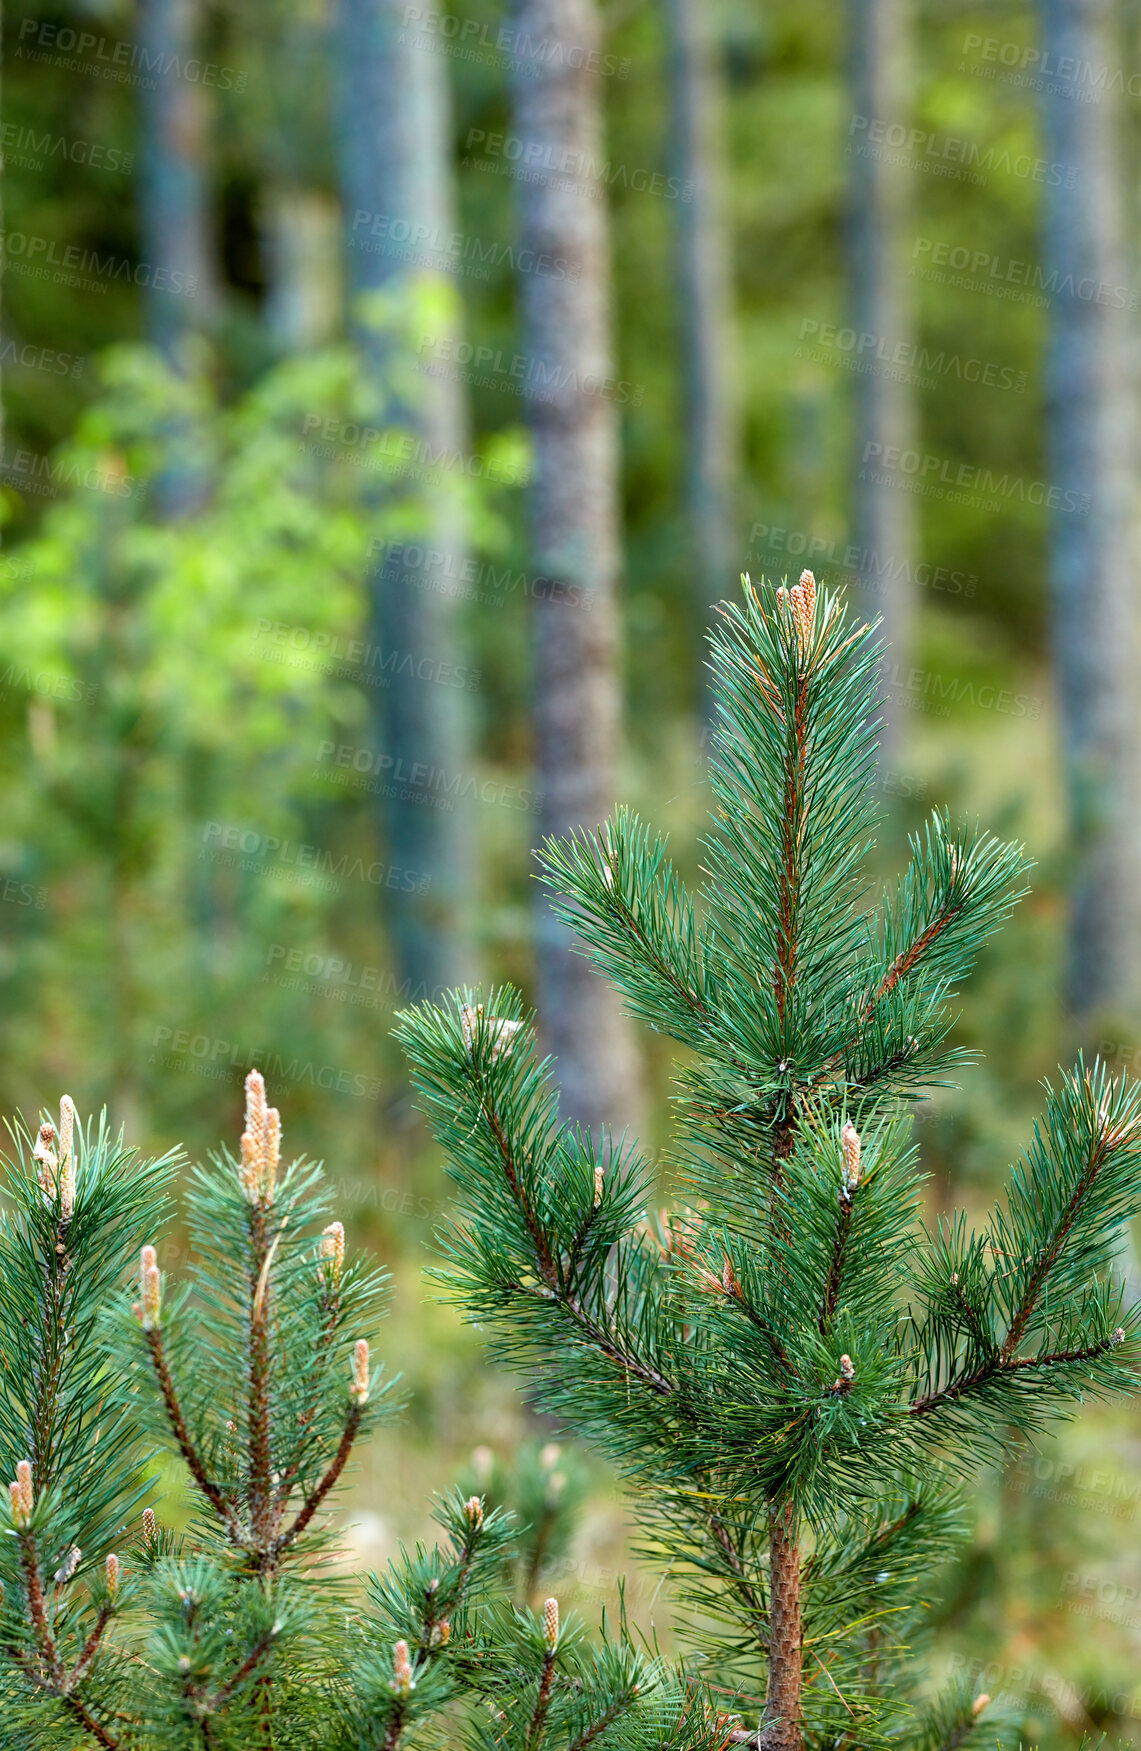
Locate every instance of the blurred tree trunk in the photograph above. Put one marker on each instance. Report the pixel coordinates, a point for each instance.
(176, 243)
(703, 277)
(1091, 455)
(574, 518)
(883, 516)
(300, 222)
(396, 156)
(301, 240)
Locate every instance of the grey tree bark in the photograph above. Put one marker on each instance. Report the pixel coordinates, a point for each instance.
(300, 221)
(397, 184)
(575, 541)
(176, 242)
(703, 281)
(1091, 447)
(883, 516)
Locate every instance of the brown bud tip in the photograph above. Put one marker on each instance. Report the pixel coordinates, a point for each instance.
(402, 1679)
(112, 1574)
(445, 1632)
(359, 1387)
(850, 1145)
(151, 1286)
(980, 1702)
(333, 1251)
(473, 1511)
(551, 1622)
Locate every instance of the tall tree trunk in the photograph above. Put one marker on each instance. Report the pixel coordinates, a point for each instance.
(301, 244)
(574, 517)
(300, 223)
(703, 278)
(1091, 453)
(781, 1725)
(883, 516)
(396, 153)
(176, 246)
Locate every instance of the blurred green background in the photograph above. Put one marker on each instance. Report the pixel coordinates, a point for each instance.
(192, 883)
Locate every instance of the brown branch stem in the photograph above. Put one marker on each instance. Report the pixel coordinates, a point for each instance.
(313, 1502)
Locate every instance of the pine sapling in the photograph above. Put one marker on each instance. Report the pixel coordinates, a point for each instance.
(791, 1369)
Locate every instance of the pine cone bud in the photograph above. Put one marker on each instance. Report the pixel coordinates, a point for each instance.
(979, 1704)
(150, 1306)
(359, 1387)
(150, 1526)
(333, 1250)
(549, 1455)
(802, 599)
(66, 1158)
(500, 1029)
(112, 1574)
(846, 1368)
(850, 1144)
(16, 1501)
(261, 1143)
(445, 1630)
(68, 1566)
(598, 1185)
(44, 1157)
(473, 1512)
(551, 1622)
(402, 1679)
(1119, 1335)
(24, 1486)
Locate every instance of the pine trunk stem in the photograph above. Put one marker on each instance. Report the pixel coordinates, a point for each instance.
(781, 1727)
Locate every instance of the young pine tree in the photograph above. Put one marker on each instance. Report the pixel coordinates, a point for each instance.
(792, 1371)
(235, 1635)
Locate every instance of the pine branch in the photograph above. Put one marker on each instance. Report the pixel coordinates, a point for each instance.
(328, 1481)
(221, 1506)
